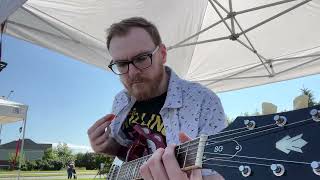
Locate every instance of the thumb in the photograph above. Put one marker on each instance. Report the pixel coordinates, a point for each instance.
(183, 137)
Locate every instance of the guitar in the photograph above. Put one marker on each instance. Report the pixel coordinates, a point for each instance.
(276, 146)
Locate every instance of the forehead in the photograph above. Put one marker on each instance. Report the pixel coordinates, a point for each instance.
(136, 41)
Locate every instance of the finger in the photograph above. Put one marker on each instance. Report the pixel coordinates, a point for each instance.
(183, 137)
(99, 131)
(102, 147)
(145, 172)
(171, 164)
(101, 139)
(196, 174)
(156, 166)
(108, 117)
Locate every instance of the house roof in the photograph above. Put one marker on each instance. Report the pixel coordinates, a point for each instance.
(28, 144)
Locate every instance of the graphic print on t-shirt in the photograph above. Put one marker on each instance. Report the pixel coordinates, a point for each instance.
(144, 119)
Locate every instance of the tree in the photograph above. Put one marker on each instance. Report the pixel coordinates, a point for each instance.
(64, 154)
(309, 93)
(92, 160)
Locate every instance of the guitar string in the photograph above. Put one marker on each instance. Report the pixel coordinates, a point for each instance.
(277, 127)
(195, 143)
(240, 162)
(128, 164)
(223, 132)
(213, 138)
(221, 165)
(252, 157)
(241, 136)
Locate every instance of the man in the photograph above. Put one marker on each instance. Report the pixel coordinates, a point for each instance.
(156, 104)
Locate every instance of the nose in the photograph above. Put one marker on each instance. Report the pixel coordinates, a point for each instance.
(133, 70)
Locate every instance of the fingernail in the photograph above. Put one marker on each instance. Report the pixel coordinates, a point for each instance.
(112, 117)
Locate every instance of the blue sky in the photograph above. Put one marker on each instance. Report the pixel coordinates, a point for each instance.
(66, 96)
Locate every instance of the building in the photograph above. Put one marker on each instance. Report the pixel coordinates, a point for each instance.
(31, 151)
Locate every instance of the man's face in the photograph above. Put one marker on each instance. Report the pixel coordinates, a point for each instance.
(141, 84)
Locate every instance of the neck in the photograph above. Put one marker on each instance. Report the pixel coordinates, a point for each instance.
(189, 156)
(164, 83)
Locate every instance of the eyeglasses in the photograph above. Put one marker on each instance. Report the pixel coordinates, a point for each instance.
(141, 61)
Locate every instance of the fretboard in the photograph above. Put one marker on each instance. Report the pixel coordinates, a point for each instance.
(189, 156)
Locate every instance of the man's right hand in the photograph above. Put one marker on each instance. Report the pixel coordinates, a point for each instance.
(99, 135)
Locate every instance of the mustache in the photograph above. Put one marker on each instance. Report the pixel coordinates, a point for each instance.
(137, 79)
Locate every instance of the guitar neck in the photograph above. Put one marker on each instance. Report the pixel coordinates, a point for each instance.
(189, 156)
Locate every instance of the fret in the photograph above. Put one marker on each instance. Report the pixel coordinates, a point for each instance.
(202, 143)
(191, 153)
(136, 170)
(185, 157)
(189, 156)
(130, 170)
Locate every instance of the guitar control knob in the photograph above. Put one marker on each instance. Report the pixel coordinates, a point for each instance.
(250, 124)
(277, 169)
(316, 167)
(245, 170)
(280, 120)
(315, 114)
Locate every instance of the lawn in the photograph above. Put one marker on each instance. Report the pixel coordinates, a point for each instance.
(6, 174)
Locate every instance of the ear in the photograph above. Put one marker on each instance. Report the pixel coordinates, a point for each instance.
(163, 53)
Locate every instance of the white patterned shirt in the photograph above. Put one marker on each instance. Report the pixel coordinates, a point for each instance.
(189, 107)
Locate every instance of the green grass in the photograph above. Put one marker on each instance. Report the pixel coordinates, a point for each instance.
(7, 174)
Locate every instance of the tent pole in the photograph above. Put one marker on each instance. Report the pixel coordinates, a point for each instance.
(22, 144)
(0, 133)
(275, 16)
(221, 17)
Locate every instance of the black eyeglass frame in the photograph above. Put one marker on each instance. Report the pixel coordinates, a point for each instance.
(150, 55)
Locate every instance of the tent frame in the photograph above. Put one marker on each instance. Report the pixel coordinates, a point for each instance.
(267, 63)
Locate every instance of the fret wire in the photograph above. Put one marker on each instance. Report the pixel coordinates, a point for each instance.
(187, 143)
(115, 174)
(118, 174)
(135, 169)
(184, 163)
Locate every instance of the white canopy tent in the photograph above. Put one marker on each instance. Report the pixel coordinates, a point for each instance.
(223, 44)
(11, 112)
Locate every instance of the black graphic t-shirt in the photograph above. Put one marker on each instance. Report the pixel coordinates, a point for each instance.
(145, 114)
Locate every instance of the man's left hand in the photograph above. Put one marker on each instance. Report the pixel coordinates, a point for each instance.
(164, 165)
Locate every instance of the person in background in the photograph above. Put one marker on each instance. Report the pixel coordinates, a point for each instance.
(155, 103)
(69, 171)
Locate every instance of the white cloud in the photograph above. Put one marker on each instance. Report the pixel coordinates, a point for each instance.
(74, 147)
